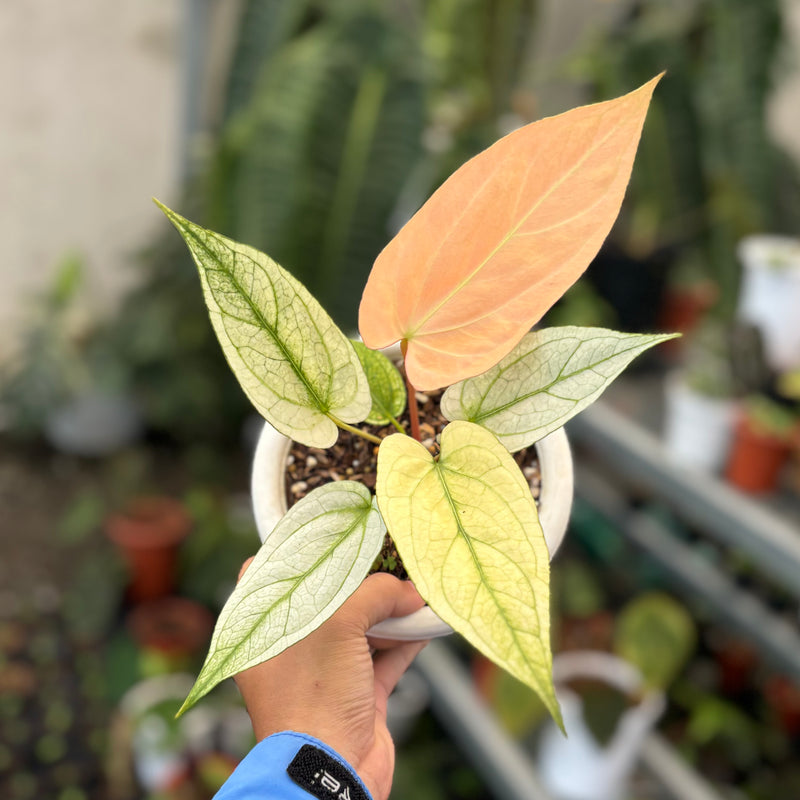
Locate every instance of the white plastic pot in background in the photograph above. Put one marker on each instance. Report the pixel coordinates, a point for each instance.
(769, 297)
(94, 425)
(162, 747)
(698, 428)
(555, 503)
(577, 767)
(159, 755)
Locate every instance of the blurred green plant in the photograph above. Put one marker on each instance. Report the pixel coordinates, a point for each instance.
(656, 634)
(324, 124)
(62, 355)
(181, 379)
(708, 364)
(221, 540)
(708, 172)
(769, 417)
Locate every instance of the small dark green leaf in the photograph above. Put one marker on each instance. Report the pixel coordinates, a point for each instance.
(386, 386)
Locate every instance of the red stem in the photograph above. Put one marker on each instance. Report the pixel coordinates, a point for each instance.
(413, 413)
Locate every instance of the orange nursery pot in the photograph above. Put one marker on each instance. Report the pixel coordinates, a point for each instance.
(148, 534)
(682, 309)
(756, 458)
(172, 629)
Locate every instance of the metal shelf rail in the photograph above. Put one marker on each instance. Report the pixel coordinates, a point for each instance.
(638, 458)
(776, 639)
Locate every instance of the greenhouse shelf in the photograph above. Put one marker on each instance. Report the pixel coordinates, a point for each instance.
(503, 763)
(637, 458)
(777, 639)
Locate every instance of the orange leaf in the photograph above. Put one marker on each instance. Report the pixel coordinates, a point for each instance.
(501, 240)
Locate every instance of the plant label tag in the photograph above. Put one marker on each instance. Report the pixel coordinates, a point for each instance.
(323, 776)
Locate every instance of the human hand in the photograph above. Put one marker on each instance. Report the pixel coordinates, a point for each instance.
(335, 683)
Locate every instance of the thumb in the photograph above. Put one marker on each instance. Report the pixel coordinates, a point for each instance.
(244, 568)
(382, 596)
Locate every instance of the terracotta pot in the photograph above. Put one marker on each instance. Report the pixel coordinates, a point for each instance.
(555, 503)
(783, 695)
(148, 534)
(756, 458)
(682, 309)
(174, 628)
(737, 660)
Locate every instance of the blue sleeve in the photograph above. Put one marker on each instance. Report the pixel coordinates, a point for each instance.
(293, 766)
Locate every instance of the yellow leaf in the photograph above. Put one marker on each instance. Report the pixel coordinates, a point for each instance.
(467, 530)
(501, 240)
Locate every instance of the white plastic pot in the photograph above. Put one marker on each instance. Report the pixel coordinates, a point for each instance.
(94, 425)
(161, 748)
(769, 297)
(697, 428)
(577, 767)
(158, 755)
(555, 503)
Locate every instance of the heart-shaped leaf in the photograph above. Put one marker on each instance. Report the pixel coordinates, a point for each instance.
(501, 240)
(313, 560)
(550, 376)
(386, 386)
(467, 530)
(298, 369)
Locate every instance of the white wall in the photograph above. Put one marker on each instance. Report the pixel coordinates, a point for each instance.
(89, 121)
(784, 112)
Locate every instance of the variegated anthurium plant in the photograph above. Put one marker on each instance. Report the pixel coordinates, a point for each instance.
(460, 287)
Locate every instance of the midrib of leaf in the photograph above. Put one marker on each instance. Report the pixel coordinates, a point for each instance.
(468, 278)
(286, 597)
(542, 390)
(322, 406)
(468, 539)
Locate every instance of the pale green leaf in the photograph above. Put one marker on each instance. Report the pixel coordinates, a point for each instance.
(467, 530)
(386, 386)
(313, 560)
(550, 376)
(298, 369)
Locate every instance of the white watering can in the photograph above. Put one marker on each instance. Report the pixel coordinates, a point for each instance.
(578, 767)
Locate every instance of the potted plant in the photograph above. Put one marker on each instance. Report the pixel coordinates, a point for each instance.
(761, 445)
(700, 406)
(170, 632)
(459, 288)
(148, 533)
(200, 748)
(688, 296)
(66, 383)
(770, 295)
